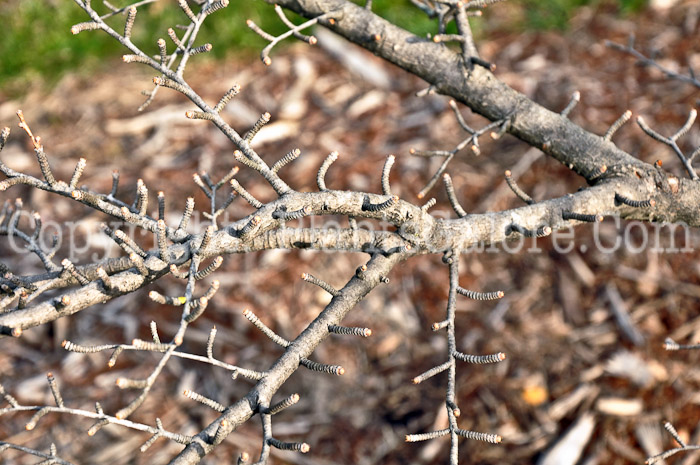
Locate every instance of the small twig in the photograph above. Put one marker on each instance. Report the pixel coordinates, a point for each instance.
(321, 175)
(452, 196)
(646, 61)
(575, 98)
(293, 31)
(516, 189)
(617, 125)
(672, 141)
(386, 187)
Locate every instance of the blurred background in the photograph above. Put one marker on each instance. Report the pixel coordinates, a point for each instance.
(575, 376)
(37, 43)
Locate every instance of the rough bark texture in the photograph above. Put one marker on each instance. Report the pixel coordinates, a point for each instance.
(581, 151)
(409, 230)
(480, 90)
(302, 347)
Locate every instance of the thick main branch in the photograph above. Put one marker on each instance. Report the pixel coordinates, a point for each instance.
(480, 90)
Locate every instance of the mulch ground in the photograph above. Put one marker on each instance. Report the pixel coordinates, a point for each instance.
(574, 372)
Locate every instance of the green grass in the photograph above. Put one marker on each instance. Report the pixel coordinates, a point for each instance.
(555, 14)
(37, 42)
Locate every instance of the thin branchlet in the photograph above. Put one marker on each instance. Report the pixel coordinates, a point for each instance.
(690, 78)
(244, 160)
(350, 331)
(432, 372)
(367, 205)
(210, 343)
(129, 24)
(187, 10)
(232, 92)
(77, 275)
(140, 344)
(294, 30)
(448, 323)
(196, 309)
(288, 158)
(163, 50)
(259, 124)
(212, 404)
(215, 6)
(161, 240)
(240, 190)
(479, 359)
(191, 114)
(186, 214)
(249, 228)
(250, 316)
(200, 183)
(227, 177)
(486, 437)
(201, 49)
(176, 40)
(161, 205)
(585, 217)
(77, 173)
(86, 26)
(308, 39)
(124, 241)
(53, 386)
(672, 141)
(427, 436)
(386, 170)
(286, 403)
(296, 446)
(212, 267)
(322, 367)
(320, 283)
(169, 83)
(624, 200)
(575, 98)
(206, 240)
(291, 215)
(671, 345)
(516, 189)
(134, 58)
(480, 295)
(617, 125)
(452, 196)
(321, 175)
(428, 205)
(115, 184)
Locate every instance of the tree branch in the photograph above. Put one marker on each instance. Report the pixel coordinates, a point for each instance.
(485, 94)
(302, 347)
